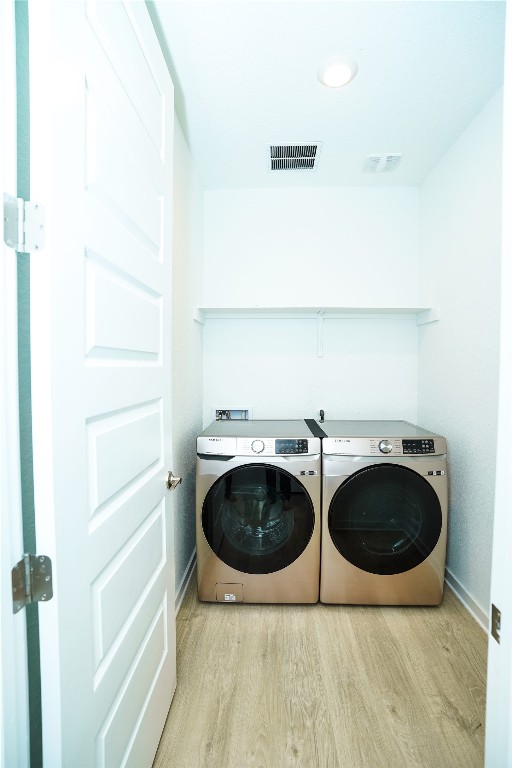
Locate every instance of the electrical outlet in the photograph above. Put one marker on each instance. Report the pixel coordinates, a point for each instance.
(235, 414)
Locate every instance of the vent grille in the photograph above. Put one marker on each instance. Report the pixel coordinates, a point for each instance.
(293, 157)
(384, 163)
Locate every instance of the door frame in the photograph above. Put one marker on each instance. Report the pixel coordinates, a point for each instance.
(498, 744)
(14, 713)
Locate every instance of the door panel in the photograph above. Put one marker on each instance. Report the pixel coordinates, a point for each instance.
(107, 335)
(102, 165)
(114, 435)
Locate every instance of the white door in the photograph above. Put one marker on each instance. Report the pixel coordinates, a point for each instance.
(101, 164)
(13, 664)
(498, 746)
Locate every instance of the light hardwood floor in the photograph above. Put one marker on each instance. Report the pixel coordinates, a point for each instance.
(272, 686)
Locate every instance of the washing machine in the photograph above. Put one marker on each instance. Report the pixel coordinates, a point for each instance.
(258, 495)
(384, 513)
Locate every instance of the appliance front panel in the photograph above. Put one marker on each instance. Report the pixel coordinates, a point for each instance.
(298, 583)
(344, 582)
(249, 501)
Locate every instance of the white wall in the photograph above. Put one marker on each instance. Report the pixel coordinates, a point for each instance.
(186, 346)
(458, 366)
(311, 247)
(300, 247)
(368, 368)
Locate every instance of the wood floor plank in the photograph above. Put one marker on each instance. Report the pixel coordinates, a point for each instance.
(279, 686)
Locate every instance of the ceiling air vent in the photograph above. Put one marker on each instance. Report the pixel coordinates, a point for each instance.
(293, 157)
(384, 163)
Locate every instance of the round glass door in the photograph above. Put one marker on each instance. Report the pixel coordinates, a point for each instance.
(258, 518)
(385, 519)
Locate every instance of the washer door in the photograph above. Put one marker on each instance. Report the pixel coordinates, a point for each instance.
(258, 518)
(385, 519)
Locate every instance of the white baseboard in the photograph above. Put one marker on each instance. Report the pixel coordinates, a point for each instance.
(185, 581)
(467, 601)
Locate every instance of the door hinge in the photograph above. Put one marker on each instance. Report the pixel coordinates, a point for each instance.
(31, 581)
(23, 224)
(496, 623)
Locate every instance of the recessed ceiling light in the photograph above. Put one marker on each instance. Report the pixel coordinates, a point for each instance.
(337, 72)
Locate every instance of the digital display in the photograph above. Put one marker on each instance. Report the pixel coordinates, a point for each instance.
(291, 446)
(418, 446)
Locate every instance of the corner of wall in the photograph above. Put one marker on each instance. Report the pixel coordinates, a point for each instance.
(460, 259)
(187, 381)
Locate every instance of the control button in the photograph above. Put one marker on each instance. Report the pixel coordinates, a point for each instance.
(257, 446)
(385, 446)
(418, 446)
(291, 446)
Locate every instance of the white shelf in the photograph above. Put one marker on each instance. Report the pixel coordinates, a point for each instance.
(423, 314)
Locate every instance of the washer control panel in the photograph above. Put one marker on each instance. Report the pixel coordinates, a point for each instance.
(418, 446)
(258, 446)
(386, 445)
(291, 446)
(270, 446)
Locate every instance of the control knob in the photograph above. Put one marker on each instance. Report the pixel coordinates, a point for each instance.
(385, 446)
(257, 446)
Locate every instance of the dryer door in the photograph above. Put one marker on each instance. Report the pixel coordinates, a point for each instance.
(258, 518)
(385, 519)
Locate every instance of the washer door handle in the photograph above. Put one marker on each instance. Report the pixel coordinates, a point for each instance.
(172, 481)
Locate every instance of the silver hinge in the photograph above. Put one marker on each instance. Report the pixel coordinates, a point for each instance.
(496, 623)
(31, 581)
(23, 224)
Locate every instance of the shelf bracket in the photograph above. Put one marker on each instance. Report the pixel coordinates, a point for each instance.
(427, 316)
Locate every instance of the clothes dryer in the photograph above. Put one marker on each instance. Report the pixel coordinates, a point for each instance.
(258, 495)
(384, 513)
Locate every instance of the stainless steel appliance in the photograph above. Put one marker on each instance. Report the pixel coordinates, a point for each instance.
(258, 512)
(384, 513)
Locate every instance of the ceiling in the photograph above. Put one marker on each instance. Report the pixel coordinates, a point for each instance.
(245, 76)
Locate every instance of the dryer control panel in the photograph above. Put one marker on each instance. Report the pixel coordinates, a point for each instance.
(384, 446)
